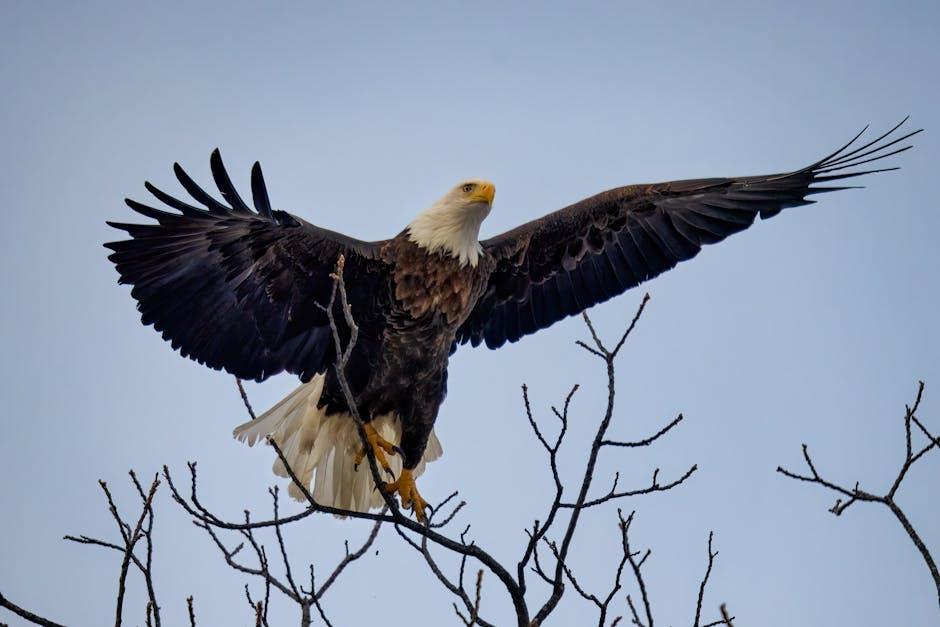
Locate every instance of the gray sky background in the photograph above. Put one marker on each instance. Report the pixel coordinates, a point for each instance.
(813, 327)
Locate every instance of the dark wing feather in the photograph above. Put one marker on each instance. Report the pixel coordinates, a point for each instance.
(586, 253)
(237, 288)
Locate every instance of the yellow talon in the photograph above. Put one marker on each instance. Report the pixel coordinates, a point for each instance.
(405, 487)
(380, 446)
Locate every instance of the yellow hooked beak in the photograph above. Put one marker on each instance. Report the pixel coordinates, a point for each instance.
(484, 192)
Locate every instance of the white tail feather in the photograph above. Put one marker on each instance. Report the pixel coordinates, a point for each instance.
(321, 449)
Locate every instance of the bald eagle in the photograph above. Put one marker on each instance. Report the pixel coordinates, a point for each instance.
(245, 289)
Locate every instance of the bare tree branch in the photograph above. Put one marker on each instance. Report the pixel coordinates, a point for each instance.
(581, 502)
(130, 537)
(26, 614)
(725, 616)
(701, 590)
(244, 395)
(636, 566)
(649, 440)
(348, 559)
(856, 494)
(305, 599)
(248, 554)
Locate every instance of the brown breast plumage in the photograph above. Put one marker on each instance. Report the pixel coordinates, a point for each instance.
(427, 283)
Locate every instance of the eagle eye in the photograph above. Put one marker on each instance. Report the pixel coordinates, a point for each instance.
(467, 188)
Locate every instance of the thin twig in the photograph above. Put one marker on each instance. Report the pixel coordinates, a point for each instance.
(26, 614)
(701, 590)
(609, 357)
(130, 536)
(349, 558)
(244, 395)
(850, 496)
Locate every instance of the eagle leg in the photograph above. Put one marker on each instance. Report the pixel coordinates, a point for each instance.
(407, 491)
(380, 446)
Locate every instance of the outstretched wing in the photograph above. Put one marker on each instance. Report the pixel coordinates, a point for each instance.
(584, 254)
(237, 288)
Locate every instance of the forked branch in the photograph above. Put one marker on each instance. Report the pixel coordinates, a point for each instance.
(546, 551)
(848, 496)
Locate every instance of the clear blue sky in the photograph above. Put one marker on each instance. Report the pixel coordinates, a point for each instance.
(812, 327)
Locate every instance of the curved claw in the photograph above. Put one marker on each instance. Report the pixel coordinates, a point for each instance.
(380, 449)
(407, 492)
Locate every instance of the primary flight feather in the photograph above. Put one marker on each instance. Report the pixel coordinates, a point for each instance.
(244, 289)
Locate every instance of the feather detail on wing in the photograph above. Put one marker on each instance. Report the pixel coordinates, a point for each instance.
(240, 288)
(584, 254)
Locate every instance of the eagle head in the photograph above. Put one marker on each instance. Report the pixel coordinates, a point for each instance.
(451, 226)
(474, 191)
